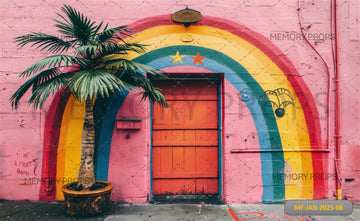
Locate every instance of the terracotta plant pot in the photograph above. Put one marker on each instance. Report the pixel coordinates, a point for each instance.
(87, 203)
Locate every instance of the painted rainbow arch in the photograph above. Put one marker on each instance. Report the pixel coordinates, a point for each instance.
(248, 60)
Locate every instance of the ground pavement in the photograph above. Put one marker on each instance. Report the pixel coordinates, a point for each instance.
(26, 210)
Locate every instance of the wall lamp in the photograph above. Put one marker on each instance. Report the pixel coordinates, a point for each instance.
(186, 16)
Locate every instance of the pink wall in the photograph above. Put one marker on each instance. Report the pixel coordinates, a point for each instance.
(22, 131)
(129, 168)
(349, 57)
(239, 167)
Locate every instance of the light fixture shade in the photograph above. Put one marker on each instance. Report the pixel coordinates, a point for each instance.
(186, 16)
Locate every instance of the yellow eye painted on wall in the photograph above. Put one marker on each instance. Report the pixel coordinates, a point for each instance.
(187, 38)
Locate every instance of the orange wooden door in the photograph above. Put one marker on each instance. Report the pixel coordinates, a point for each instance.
(185, 138)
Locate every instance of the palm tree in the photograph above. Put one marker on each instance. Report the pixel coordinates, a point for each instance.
(96, 69)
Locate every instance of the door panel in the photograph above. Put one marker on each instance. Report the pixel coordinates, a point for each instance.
(185, 162)
(189, 114)
(185, 186)
(185, 138)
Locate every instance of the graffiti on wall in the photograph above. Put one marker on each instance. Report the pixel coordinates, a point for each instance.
(25, 165)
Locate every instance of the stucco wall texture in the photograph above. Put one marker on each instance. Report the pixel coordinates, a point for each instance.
(22, 131)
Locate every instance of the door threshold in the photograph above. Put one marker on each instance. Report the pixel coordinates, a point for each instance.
(190, 199)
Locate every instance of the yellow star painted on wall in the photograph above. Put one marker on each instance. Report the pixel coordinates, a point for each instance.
(177, 57)
(198, 58)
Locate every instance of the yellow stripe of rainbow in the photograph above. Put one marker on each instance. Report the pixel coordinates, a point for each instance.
(293, 130)
(69, 150)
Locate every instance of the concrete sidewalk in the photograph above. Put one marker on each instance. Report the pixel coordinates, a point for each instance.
(26, 210)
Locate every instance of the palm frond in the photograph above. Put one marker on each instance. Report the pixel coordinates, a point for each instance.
(114, 48)
(149, 91)
(155, 95)
(75, 25)
(93, 83)
(108, 48)
(33, 83)
(149, 71)
(107, 34)
(44, 41)
(98, 27)
(53, 62)
(133, 78)
(132, 66)
(87, 51)
(49, 87)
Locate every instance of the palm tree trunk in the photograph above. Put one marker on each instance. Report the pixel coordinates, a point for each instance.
(86, 172)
